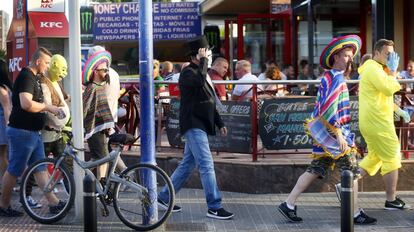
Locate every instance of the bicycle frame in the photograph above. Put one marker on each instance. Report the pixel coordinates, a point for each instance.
(71, 151)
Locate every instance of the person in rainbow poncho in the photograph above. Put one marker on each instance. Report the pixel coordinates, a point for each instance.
(97, 116)
(376, 119)
(329, 127)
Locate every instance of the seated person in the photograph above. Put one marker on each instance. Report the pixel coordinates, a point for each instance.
(243, 72)
(273, 73)
(408, 74)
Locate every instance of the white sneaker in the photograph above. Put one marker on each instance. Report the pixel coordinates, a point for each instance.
(33, 203)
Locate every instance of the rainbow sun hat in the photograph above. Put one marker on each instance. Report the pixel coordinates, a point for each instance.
(93, 62)
(326, 59)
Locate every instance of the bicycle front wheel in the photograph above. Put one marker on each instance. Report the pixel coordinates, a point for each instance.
(57, 181)
(136, 205)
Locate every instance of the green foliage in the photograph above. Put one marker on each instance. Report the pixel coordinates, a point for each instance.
(3, 54)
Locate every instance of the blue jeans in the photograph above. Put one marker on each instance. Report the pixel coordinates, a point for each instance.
(25, 148)
(196, 153)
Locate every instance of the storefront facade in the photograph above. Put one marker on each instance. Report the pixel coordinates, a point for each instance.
(289, 31)
(36, 23)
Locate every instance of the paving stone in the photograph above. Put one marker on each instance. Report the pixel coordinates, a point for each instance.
(253, 212)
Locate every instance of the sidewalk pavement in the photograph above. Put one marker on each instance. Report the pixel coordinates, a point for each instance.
(253, 212)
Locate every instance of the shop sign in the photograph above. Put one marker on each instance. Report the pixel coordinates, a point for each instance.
(46, 5)
(49, 25)
(17, 39)
(212, 34)
(15, 64)
(171, 21)
(279, 6)
(16, 60)
(19, 4)
(86, 17)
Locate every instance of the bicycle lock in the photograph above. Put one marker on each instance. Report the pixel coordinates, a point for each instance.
(89, 204)
(347, 201)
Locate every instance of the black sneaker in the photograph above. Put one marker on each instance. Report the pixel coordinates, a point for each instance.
(397, 204)
(9, 212)
(55, 209)
(164, 205)
(290, 214)
(363, 219)
(219, 214)
(338, 191)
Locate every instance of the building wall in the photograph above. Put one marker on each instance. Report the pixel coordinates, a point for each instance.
(411, 32)
(4, 18)
(399, 30)
(369, 32)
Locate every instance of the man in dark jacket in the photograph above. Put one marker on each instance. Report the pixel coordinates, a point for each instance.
(198, 118)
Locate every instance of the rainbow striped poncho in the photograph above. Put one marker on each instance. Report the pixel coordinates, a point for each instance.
(332, 109)
(97, 115)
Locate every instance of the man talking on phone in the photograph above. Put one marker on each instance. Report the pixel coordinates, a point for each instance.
(198, 119)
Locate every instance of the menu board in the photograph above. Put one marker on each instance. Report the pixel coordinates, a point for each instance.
(281, 123)
(236, 117)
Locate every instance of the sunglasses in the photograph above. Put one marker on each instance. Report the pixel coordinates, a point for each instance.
(105, 70)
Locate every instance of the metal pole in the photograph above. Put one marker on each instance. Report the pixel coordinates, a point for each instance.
(76, 95)
(254, 123)
(147, 103)
(89, 204)
(347, 201)
(310, 35)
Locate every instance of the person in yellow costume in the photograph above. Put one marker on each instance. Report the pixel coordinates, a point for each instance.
(376, 119)
(53, 94)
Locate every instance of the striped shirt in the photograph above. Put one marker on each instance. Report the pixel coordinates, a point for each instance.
(332, 104)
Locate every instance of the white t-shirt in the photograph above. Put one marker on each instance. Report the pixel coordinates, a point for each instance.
(239, 90)
(262, 76)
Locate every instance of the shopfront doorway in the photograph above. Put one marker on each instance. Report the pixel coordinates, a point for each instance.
(258, 38)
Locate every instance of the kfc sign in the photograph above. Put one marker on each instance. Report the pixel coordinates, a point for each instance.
(51, 24)
(14, 64)
(46, 5)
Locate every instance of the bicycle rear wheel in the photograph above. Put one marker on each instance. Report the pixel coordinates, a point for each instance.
(134, 206)
(61, 184)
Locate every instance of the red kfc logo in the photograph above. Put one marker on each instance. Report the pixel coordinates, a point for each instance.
(46, 4)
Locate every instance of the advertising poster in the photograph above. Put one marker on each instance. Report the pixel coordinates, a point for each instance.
(120, 21)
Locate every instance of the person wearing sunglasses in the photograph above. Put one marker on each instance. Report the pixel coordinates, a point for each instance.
(97, 116)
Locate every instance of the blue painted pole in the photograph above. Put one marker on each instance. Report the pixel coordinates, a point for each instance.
(147, 103)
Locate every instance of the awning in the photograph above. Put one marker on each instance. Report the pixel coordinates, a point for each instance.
(49, 25)
(234, 7)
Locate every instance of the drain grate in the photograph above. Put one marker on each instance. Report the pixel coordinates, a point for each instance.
(186, 227)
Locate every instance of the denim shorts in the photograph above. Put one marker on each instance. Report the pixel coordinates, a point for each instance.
(320, 166)
(26, 147)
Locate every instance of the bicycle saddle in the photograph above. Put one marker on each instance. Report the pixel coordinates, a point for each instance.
(121, 139)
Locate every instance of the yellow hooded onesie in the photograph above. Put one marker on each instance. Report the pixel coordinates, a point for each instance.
(376, 118)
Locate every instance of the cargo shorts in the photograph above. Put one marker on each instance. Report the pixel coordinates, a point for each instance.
(321, 165)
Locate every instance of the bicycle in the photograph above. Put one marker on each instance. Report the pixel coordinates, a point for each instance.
(126, 192)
